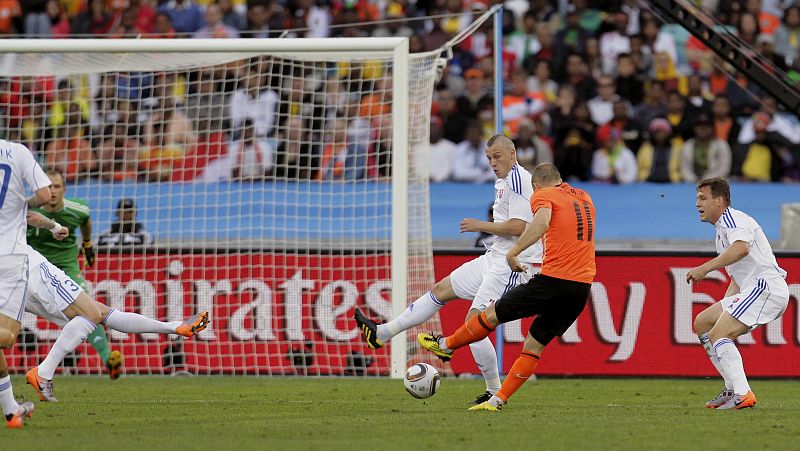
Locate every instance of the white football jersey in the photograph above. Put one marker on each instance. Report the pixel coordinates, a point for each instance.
(512, 200)
(18, 172)
(735, 225)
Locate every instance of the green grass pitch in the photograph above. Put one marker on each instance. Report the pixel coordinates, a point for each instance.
(241, 413)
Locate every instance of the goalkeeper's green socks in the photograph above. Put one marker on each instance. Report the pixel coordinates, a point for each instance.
(99, 342)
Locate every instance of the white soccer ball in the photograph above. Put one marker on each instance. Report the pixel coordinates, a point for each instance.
(422, 380)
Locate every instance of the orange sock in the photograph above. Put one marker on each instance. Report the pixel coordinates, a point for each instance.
(522, 369)
(476, 329)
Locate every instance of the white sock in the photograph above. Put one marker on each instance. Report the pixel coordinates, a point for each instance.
(712, 355)
(134, 323)
(10, 405)
(486, 358)
(73, 333)
(417, 313)
(731, 361)
(495, 401)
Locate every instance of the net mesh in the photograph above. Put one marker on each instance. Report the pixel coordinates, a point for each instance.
(254, 186)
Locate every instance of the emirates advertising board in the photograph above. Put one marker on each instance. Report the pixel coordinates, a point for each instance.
(291, 314)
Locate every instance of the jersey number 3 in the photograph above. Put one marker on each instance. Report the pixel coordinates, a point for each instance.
(6, 178)
(579, 215)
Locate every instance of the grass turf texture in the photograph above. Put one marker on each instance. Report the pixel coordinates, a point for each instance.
(236, 413)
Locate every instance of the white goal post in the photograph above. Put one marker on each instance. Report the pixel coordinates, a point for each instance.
(174, 68)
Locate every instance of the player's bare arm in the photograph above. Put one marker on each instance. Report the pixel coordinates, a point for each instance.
(41, 197)
(42, 222)
(512, 227)
(86, 247)
(533, 233)
(737, 251)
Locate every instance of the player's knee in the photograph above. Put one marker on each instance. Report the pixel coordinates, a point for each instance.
(7, 339)
(94, 316)
(702, 324)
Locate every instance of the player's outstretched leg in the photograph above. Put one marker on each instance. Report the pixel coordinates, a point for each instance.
(433, 344)
(369, 329)
(134, 323)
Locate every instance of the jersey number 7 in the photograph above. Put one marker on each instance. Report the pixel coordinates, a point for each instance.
(6, 178)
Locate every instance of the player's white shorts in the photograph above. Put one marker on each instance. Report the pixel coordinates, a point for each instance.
(485, 279)
(760, 303)
(13, 284)
(50, 291)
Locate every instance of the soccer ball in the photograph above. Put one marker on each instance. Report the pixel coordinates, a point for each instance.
(421, 381)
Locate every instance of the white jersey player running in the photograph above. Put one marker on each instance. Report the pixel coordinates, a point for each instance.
(484, 279)
(756, 295)
(19, 173)
(52, 295)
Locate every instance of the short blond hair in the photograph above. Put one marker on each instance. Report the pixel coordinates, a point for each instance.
(546, 173)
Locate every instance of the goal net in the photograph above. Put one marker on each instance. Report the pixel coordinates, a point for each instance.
(271, 182)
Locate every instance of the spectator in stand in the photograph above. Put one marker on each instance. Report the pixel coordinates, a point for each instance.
(630, 130)
(298, 98)
(255, 101)
(654, 40)
(71, 153)
(783, 124)
(231, 17)
(642, 60)
(748, 29)
(215, 27)
(653, 105)
(168, 136)
(614, 42)
(726, 127)
(577, 75)
(697, 102)
(470, 163)
(250, 157)
(613, 162)
(117, 155)
(561, 109)
(442, 152)
(125, 231)
(96, 21)
(767, 22)
(162, 27)
(766, 156)
(145, 14)
(341, 158)
(127, 25)
(297, 157)
(519, 102)
(541, 82)
(787, 36)
(185, 15)
(395, 27)
(569, 40)
(9, 12)
(206, 101)
(602, 106)
(532, 148)
(455, 122)
(593, 58)
(574, 155)
(676, 115)
(259, 15)
(765, 45)
(629, 84)
(315, 17)
(53, 22)
(524, 42)
(475, 96)
(59, 108)
(705, 155)
(659, 157)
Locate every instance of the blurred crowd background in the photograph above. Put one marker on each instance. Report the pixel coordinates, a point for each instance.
(606, 90)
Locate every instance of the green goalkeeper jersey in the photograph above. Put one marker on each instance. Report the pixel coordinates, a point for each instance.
(64, 253)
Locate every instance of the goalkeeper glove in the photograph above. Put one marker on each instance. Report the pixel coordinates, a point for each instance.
(88, 253)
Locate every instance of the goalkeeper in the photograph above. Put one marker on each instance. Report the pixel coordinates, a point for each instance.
(72, 213)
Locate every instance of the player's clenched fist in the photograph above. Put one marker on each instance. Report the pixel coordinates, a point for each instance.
(470, 225)
(88, 253)
(696, 275)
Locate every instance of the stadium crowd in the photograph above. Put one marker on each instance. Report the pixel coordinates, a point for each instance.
(605, 90)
